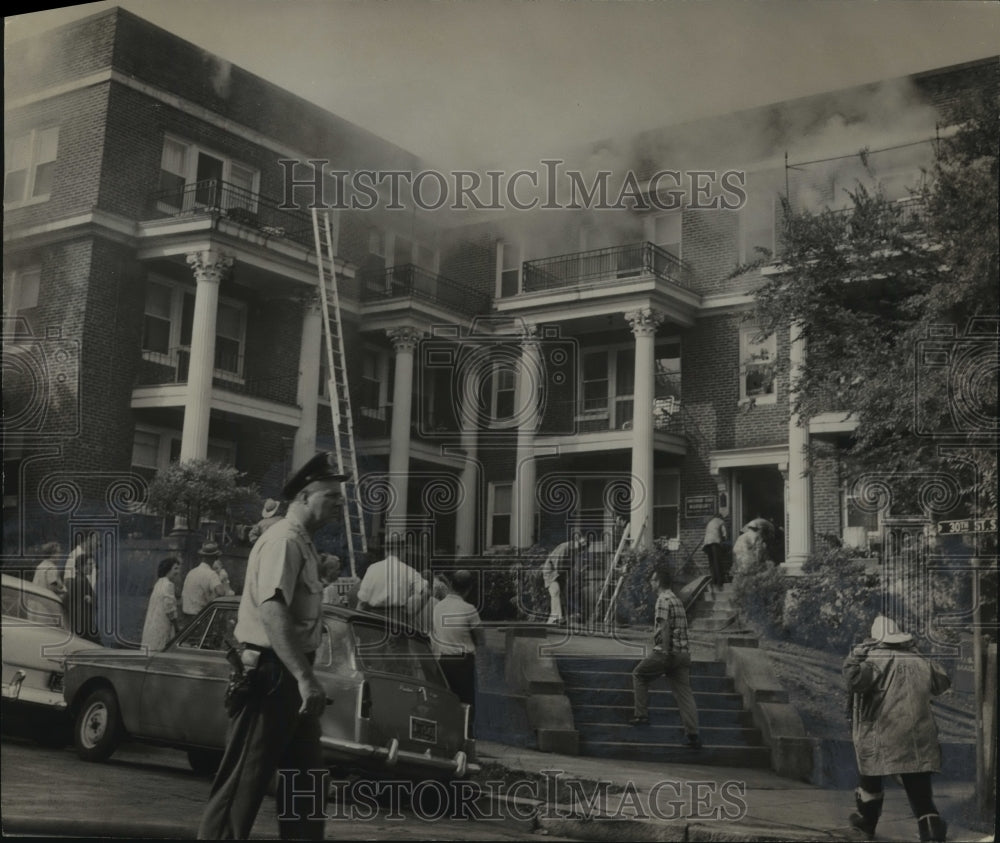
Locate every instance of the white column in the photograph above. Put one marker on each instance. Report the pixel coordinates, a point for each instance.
(526, 412)
(799, 505)
(465, 518)
(644, 323)
(304, 445)
(208, 267)
(404, 340)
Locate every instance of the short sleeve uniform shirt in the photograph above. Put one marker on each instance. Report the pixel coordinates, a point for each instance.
(283, 559)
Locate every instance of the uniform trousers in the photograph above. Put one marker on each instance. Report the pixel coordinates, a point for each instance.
(268, 734)
(676, 667)
(918, 789)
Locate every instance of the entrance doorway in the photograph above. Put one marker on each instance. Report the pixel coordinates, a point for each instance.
(760, 493)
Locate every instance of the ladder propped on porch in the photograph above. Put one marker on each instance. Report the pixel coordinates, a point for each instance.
(325, 234)
(607, 600)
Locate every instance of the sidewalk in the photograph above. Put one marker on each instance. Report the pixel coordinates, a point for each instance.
(646, 801)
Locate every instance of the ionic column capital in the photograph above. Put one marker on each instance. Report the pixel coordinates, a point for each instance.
(644, 321)
(209, 265)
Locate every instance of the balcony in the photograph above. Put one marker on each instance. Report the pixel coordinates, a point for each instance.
(234, 203)
(638, 261)
(407, 281)
(602, 415)
(171, 367)
(912, 214)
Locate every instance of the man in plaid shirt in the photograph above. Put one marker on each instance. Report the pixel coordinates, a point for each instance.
(670, 657)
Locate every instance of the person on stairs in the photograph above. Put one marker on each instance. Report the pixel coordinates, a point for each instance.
(670, 657)
(893, 726)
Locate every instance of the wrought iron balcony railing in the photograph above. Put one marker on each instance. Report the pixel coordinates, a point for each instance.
(410, 281)
(171, 367)
(637, 260)
(235, 203)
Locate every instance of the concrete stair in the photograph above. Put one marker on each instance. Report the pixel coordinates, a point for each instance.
(600, 693)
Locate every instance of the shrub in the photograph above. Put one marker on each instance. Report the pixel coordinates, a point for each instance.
(513, 589)
(759, 593)
(635, 599)
(832, 606)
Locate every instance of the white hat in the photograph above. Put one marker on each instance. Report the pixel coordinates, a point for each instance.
(270, 507)
(886, 631)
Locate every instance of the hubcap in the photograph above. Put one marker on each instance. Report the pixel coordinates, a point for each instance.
(95, 724)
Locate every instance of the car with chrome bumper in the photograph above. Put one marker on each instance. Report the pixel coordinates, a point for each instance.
(36, 640)
(389, 709)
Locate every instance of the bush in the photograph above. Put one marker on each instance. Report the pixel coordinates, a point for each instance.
(513, 590)
(759, 593)
(198, 489)
(635, 598)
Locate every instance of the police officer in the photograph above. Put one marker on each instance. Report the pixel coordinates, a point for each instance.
(277, 726)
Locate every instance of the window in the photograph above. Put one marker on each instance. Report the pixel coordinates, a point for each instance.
(374, 382)
(154, 448)
(609, 373)
(510, 269)
(666, 505)
(757, 227)
(666, 233)
(191, 178)
(859, 523)
(757, 366)
(594, 387)
(29, 166)
(500, 502)
(503, 399)
(168, 318)
(20, 295)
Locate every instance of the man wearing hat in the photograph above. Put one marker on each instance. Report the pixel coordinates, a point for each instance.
(202, 583)
(279, 625)
(268, 516)
(893, 726)
(557, 565)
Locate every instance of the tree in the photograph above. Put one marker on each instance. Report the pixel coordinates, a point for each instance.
(870, 290)
(198, 489)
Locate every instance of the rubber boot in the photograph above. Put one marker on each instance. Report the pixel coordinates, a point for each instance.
(868, 813)
(932, 827)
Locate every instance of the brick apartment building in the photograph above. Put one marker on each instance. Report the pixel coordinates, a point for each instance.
(161, 304)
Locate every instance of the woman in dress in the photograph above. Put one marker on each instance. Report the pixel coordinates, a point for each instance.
(161, 615)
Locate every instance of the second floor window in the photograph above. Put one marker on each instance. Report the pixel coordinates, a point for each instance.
(167, 324)
(757, 366)
(29, 165)
(20, 295)
(192, 178)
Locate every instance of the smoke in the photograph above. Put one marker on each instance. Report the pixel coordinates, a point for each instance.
(219, 73)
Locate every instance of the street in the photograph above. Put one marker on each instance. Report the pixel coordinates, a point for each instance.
(151, 792)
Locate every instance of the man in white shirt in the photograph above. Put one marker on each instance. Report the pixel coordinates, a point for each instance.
(47, 572)
(457, 632)
(390, 586)
(202, 584)
(715, 537)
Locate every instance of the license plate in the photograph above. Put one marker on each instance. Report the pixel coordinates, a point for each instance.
(423, 730)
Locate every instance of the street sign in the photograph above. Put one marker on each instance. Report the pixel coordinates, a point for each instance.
(968, 525)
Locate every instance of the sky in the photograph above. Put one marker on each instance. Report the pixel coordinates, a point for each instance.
(473, 83)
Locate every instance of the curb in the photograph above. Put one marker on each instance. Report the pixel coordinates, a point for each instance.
(38, 826)
(600, 829)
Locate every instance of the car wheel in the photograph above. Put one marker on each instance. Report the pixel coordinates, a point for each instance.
(98, 729)
(204, 761)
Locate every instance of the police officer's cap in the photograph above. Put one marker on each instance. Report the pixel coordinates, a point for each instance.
(321, 467)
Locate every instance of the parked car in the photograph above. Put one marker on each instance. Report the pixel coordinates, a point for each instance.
(36, 640)
(390, 709)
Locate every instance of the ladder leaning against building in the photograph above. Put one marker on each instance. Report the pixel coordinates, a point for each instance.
(325, 233)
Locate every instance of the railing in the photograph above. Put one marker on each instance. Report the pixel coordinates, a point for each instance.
(410, 281)
(912, 213)
(235, 203)
(171, 367)
(616, 262)
(616, 413)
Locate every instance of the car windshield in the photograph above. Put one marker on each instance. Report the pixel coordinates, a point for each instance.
(33, 608)
(397, 652)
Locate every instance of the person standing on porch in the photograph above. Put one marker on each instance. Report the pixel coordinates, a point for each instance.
(715, 538)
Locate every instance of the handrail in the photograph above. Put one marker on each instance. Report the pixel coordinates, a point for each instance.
(410, 280)
(632, 260)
